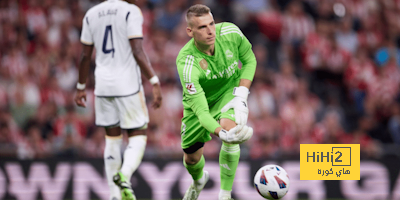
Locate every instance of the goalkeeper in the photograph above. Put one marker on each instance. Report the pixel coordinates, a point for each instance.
(214, 90)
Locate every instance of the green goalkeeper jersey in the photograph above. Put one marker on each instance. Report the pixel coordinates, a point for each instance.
(205, 79)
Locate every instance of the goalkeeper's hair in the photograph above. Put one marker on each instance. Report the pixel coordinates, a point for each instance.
(197, 11)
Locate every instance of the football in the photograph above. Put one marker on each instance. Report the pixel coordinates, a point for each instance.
(272, 182)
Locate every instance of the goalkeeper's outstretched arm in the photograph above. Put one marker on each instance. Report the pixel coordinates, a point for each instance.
(249, 63)
(198, 104)
(236, 135)
(248, 69)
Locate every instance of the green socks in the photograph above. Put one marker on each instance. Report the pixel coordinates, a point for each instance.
(196, 170)
(228, 162)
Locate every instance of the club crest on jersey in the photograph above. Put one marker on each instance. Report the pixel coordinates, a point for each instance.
(190, 88)
(203, 64)
(229, 54)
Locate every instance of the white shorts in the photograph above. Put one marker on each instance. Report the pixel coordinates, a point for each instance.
(128, 112)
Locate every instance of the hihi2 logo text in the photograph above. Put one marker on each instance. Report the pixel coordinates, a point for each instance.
(329, 162)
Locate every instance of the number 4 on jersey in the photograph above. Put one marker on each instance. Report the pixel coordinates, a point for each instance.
(106, 33)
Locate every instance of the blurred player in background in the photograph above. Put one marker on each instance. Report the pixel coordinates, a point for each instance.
(214, 89)
(114, 28)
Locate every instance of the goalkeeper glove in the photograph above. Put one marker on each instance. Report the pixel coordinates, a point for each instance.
(236, 135)
(245, 134)
(239, 105)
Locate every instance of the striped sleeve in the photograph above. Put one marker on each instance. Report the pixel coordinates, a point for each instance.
(190, 75)
(231, 29)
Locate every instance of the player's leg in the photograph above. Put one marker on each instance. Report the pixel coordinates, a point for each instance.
(134, 152)
(194, 162)
(112, 158)
(106, 116)
(228, 158)
(193, 138)
(134, 118)
(133, 155)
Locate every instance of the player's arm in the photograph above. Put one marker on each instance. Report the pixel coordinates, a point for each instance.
(248, 59)
(193, 92)
(190, 75)
(198, 104)
(134, 21)
(145, 66)
(246, 56)
(84, 65)
(236, 135)
(249, 63)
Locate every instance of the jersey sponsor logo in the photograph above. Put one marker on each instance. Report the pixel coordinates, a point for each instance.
(226, 73)
(229, 54)
(203, 64)
(190, 88)
(208, 72)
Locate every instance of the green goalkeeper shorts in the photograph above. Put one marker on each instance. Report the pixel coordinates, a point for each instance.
(191, 129)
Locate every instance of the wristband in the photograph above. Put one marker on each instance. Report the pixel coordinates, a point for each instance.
(241, 91)
(154, 80)
(80, 86)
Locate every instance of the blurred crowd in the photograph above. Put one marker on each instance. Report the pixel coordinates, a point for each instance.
(327, 72)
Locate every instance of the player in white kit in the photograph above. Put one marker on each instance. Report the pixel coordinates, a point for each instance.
(114, 29)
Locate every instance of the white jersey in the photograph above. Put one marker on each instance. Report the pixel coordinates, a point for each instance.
(109, 26)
